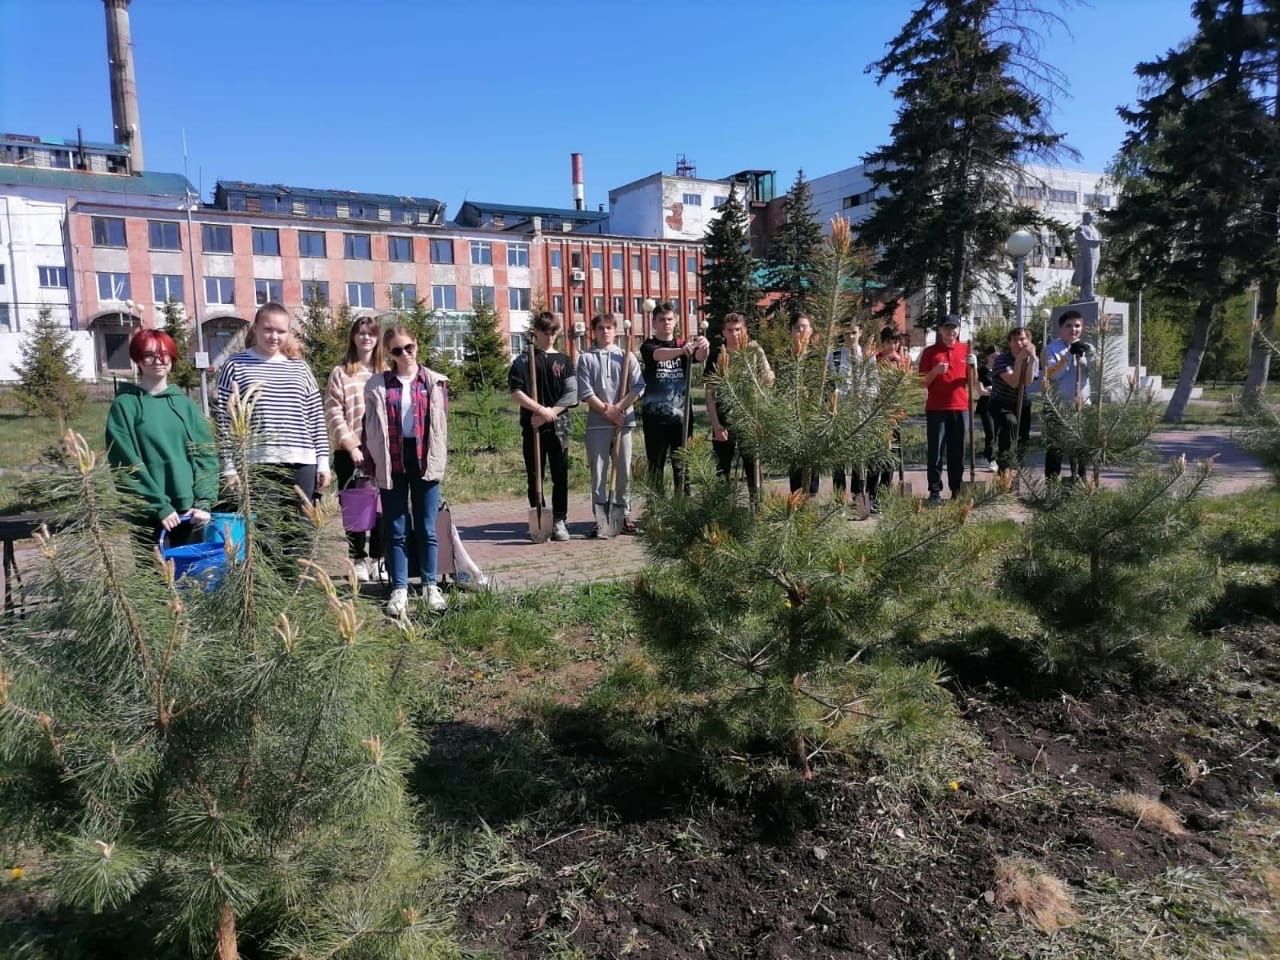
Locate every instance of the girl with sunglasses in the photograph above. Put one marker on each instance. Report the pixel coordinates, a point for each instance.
(406, 440)
(160, 444)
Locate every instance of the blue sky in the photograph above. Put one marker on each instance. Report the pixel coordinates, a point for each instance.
(486, 99)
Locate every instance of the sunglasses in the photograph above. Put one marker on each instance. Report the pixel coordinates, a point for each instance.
(402, 350)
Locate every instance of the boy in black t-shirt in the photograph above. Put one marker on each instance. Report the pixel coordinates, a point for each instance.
(665, 360)
(1018, 363)
(557, 394)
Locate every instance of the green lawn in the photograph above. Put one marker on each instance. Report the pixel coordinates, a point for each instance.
(23, 439)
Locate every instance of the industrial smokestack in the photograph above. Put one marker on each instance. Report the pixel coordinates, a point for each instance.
(579, 190)
(124, 88)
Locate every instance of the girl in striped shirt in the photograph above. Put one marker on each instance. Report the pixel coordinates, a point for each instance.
(344, 413)
(289, 435)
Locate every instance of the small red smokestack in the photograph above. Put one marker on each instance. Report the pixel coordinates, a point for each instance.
(579, 191)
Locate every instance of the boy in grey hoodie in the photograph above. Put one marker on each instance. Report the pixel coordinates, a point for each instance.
(610, 413)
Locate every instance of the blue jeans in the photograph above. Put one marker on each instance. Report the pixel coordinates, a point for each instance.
(410, 492)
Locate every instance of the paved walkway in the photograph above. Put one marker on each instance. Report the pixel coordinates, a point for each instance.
(496, 533)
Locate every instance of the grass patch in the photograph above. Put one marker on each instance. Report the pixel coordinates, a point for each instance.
(24, 439)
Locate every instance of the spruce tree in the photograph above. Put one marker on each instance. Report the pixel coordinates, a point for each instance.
(183, 373)
(774, 623)
(323, 335)
(1193, 171)
(47, 381)
(793, 252)
(484, 355)
(206, 771)
(1114, 573)
(967, 122)
(728, 272)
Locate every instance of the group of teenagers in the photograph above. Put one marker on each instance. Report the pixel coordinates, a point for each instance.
(382, 418)
(614, 383)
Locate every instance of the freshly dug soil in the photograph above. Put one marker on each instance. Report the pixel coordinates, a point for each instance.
(837, 869)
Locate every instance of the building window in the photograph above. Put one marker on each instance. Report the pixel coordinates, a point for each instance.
(597, 305)
(355, 246)
(1025, 192)
(635, 262)
(404, 296)
(519, 344)
(618, 304)
(673, 264)
(113, 286)
(481, 295)
(442, 251)
(52, 276)
(266, 242)
(481, 253)
(1097, 200)
(597, 260)
(577, 306)
(403, 214)
(693, 309)
(311, 243)
(6, 323)
(1063, 196)
(615, 262)
(518, 298)
(108, 232)
(166, 287)
(1, 274)
(692, 199)
(655, 263)
(444, 297)
(637, 304)
(362, 211)
(236, 201)
(271, 204)
(216, 239)
(575, 260)
(691, 264)
(219, 290)
(557, 303)
(61, 159)
(163, 235)
(517, 254)
(360, 295)
(315, 291)
(400, 249)
(322, 208)
(267, 291)
(557, 259)
(718, 202)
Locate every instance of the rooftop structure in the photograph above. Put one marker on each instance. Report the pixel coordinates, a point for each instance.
(507, 216)
(290, 201)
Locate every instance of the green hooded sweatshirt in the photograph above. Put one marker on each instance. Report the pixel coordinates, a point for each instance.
(162, 448)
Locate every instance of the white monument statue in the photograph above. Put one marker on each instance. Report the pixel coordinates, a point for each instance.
(1088, 253)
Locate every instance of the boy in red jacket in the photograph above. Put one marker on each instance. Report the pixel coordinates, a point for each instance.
(945, 369)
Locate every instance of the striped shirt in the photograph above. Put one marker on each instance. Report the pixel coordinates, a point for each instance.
(344, 406)
(288, 423)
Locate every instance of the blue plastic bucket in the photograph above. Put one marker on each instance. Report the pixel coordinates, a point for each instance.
(205, 562)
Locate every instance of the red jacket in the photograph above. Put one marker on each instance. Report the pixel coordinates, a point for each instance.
(948, 391)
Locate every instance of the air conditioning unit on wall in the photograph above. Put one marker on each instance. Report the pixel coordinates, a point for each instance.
(577, 276)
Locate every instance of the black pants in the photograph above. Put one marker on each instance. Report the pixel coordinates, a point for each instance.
(724, 450)
(873, 478)
(554, 455)
(796, 478)
(1006, 418)
(986, 412)
(886, 475)
(944, 431)
(293, 536)
(356, 542)
(663, 436)
(1053, 455)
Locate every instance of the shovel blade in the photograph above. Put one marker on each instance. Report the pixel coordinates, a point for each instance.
(614, 518)
(540, 524)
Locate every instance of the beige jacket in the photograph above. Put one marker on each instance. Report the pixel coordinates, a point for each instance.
(344, 406)
(376, 430)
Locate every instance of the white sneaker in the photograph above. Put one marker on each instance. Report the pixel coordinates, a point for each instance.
(362, 571)
(436, 602)
(399, 602)
(560, 531)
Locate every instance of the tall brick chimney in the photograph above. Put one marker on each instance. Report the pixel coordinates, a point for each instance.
(124, 88)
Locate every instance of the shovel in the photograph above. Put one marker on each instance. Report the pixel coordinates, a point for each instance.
(861, 500)
(541, 521)
(903, 488)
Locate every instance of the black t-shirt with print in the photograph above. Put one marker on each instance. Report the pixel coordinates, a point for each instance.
(554, 373)
(664, 380)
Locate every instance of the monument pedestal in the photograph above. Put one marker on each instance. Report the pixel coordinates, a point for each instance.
(1117, 368)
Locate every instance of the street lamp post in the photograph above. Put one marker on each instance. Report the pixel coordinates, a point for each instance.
(1019, 244)
(202, 359)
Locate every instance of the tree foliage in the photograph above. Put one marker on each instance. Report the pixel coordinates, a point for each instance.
(323, 337)
(728, 272)
(183, 373)
(47, 381)
(213, 770)
(969, 117)
(1201, 149)
(484, 355)
(793, 252)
